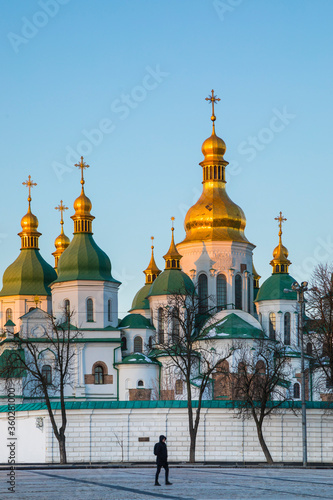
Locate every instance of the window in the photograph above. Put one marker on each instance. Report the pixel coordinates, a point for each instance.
(203, 293)
(67, 308)
(137, 344)
(9, 314)
(140, 383)
(99, 375)
(221, 291)
(249, 286)
(109, 310)
(90, 310)
(260, 318)
(179, 386)
(150, 342)
(272, 326)
(309, 348)
(260, 367)
(175, 325)
(238, 292)
(124, 343)
(47, 374)
(161, 325)
(287, 329)
(297, 391)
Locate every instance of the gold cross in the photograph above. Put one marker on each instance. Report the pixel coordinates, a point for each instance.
(172, 221)
(82, 166)
(61, 209)
(29, 183)
(281, 219)
(152, 242)
(212, 99)
(36, 300)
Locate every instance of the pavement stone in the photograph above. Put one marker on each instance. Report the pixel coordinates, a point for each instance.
(195, 483)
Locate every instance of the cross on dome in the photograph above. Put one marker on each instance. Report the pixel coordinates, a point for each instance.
(172, 221)
(82, 165)
(212, 99)
(61, 207)
(281, 219)
(29, 184)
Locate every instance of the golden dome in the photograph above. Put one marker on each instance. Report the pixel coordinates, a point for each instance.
(62, 241)
(214, 217)
(152, 270)
(82, 204)
(280, 262)
(29, 222)
(172, 257)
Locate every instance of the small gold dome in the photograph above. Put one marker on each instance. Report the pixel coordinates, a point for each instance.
(62, 242)
(213, 147)
(29, 222)
(280, 252)
(82, 204)
(280, 262)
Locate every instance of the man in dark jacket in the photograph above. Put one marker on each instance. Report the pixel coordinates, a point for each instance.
(161, 453)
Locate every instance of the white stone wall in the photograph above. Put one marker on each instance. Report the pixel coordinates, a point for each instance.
(112, 436)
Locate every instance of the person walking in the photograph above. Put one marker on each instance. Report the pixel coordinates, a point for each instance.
(161, 453)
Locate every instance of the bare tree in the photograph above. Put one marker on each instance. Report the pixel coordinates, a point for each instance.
(46, 366)
(260, 386)
(190, 354)
(320, 326)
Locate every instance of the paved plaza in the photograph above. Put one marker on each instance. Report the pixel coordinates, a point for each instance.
(199, 483)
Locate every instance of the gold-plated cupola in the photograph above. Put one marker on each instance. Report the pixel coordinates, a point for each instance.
(172, 257)
(62, 241)
(29, 223)
(82, 206)
(152, 270)
(280, 262)
(214, 217)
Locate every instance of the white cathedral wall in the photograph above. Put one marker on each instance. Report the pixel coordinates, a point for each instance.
(77, 292)
(215, 257)
(20, 305)
(279, 308)
(130, 374)
(113, 436)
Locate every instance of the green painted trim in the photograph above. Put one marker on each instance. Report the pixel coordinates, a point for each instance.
(118, 405)
(75, 341)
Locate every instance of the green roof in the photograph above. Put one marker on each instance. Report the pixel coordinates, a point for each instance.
(172, 281)
(29, 274)
(84, 260)
(137, 358)
(140, 300)
(135, 321)
(273, 288)
(232, 326)
(10, 323)
(6, 368)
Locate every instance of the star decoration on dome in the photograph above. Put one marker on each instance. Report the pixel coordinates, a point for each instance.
(212, 99)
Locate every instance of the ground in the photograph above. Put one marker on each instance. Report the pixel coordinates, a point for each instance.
(189, 483)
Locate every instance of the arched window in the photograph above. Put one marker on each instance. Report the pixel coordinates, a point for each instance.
(221, 291)
(175, 324)
(161, 325)
(140, 383)
(238, 291)
(137, 344)
(90, 310)
(150, 342)
(9, 314)
(287, 328)
(272, 326)
(249, 303)
(109, 310)
(124, 343)
(67, 308)
(309, 348)
(297, 391)
(99, 374)
(47, 374)
(179, 386)
(260, 367)
(203, 293)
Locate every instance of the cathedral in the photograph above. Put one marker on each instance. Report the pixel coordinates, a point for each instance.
(119, 360)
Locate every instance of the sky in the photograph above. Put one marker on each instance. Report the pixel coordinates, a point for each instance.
(124, 83)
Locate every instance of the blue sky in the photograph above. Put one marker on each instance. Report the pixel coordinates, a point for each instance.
(124, 83)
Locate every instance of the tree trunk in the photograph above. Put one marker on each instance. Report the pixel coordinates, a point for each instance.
(62, 449)
(193, 436)
(263, 443)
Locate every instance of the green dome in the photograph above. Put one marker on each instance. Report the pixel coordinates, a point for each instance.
(30, 274)
(172, 281)
(140, 300)
(273, 288)
(135, 321)
(84, 260)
